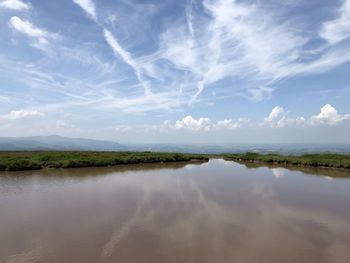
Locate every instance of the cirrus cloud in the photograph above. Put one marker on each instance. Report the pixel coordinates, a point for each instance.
(24, 27)
(27, 28)
(88, 6)
(17, 5)
(338, 29)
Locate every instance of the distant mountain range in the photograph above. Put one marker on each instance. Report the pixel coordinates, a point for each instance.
(56, 143)
(60, 143)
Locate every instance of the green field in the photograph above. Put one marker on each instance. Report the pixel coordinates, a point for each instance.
(19, 161)
(315, 160)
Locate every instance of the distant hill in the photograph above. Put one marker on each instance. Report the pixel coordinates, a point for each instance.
(56, 143)
(60, 143)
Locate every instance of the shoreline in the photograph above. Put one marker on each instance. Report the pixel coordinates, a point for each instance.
(283, 165)
(23, 161)
(333, 161)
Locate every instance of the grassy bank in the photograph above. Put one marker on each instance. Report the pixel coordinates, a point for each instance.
(19, 161)
(315, 160)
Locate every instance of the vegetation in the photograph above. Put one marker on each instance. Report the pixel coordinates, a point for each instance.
(19, 161)
(316, 160)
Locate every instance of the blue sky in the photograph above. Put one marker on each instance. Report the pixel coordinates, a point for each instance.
(173, 71)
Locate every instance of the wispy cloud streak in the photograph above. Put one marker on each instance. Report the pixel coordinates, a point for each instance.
(189, 17)
(40, 36)
(15, 5)
(223, 47)
(127, 58)
(338, 29)
(88, 6)
(246, 42)
(243, 41)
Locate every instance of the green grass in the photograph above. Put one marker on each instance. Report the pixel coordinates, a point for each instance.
(19, 161)
(315, 160)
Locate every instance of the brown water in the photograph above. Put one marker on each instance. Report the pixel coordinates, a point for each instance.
(214, 212)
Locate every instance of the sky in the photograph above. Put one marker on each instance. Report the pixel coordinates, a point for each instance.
(176, 71)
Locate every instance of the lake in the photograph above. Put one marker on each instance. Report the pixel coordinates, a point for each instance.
(218, 211)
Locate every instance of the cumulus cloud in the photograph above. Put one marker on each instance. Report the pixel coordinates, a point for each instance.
(338, 29)
(22, 114)
(230, 124)
(190, 123)
(328, 115)
(277, 119)
(88, 6)
(15, 5)
(276, 116)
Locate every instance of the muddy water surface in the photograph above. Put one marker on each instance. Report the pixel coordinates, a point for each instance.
(213, 212)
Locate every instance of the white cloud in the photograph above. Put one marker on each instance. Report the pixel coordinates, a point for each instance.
(290, 122)
(275, 117)
(189, 16)
(127, 58)
(237, 40)
(229, 124)
(328, 115)
(25, 27)
(278, 118)
(187, 123)
(88, 6)
(245, 41)
(191, 124)
(338, 29)
(15, 5)
(205, 124)
(22, 114)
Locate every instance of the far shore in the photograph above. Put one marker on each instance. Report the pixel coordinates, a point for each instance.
(21, 161)
(322, 160)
